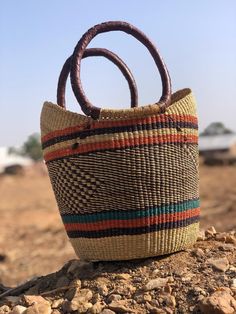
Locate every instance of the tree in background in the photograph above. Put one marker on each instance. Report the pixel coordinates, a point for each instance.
(31, 148)
(216, 128)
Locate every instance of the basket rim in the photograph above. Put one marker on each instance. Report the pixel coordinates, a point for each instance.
(120, 114)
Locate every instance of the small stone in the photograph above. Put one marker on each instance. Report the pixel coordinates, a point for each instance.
(18, 309)
(84, 295)
(233, 284)
(198, 291)
(154, 310)
(168, 288)
(221, 264)
(103, 290)
(96, 308)
(71, 293)
(4, 309)
(156, 283)
(56, 303)
(34, 299)
(147, 297)
(76, 305)
(38, 308)
(201, 236)
(119, 306)
(221, 237)
(210, 232)
(114, 297)
(56, 312)
(155, 272)
(169, 300)
(107, 311)
(220, 302)
(123, 276)
(198, 252)
(230, 239)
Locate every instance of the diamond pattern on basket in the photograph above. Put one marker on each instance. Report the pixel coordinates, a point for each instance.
(73, 186)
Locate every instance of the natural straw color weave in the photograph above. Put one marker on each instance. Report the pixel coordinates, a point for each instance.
(127, 183)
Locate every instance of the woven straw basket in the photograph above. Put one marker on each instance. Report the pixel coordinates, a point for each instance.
(126, 181)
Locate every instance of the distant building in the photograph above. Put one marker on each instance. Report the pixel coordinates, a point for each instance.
(10, 161)
(218, 148)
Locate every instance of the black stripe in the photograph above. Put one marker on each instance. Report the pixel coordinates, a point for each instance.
(119, 149)
(142, 208)
(132, 231)
(120, 129)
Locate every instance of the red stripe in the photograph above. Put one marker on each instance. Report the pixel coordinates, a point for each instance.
(133, 223)
(121, 143)
(108, 124)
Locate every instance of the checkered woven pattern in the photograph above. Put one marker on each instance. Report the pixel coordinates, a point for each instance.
(127, 184)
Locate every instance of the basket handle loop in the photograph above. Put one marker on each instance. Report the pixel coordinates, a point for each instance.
(79, 50)
(97, 52)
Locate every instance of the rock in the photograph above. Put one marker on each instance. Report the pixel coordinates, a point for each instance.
(199, 291)
(84, 295)
(221, 264)
(210, 232)
(168, 300)
(38, 308)
(56, 303)
(230, 239)
(18, 309)
(79, 302)
(34, 299)
(96, 308)
(56, 312)
(156, 283)
(233, 284)
(198, 252)
(4, 309)
(154, 310)
(168, 288)
(201, 235)
(220, 302)
(221, 237)
(76, 305)
(123, 276)
(71, 293)
(119, 306)
(107, 311)
(114, 297)
(103, 290)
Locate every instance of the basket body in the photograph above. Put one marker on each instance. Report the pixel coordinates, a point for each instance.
(127, 184)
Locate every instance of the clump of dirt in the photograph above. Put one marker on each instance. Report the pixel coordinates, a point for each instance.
(201, 279)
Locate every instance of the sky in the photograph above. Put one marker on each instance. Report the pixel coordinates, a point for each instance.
(197, 40)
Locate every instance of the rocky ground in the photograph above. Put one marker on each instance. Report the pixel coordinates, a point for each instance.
(33, 244)
(199, 280)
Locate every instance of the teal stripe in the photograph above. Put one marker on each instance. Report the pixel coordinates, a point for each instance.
(132, 214)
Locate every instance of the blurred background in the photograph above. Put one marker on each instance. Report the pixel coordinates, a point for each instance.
(197, 40)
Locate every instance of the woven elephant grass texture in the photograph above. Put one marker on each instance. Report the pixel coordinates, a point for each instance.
(126, 182)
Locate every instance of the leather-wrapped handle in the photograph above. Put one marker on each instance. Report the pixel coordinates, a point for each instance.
(79, 50)
(94, 52)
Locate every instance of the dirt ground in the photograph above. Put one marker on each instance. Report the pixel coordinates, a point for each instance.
(32, 238)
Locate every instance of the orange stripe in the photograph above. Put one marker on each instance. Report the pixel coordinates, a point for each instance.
(121, 143)
(132, 223)
(108, 124)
